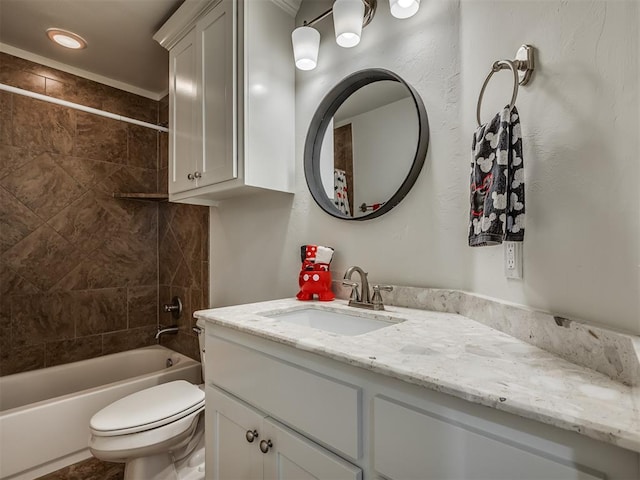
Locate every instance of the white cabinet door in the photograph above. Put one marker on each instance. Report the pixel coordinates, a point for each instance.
(183, 111)
(232, 110)
(232, 457)
(410, 443)
(287, 455)
(288, 392)
(293, 457)
(217, 92)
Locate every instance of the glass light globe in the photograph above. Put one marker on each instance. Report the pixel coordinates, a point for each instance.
(347, 22)
(306, 43)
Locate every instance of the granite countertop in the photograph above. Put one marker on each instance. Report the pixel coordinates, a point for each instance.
(456, 355)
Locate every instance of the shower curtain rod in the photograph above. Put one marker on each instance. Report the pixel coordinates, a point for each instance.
(95, 111)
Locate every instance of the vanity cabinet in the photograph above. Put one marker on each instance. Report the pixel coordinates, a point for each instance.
(231, 99)
(412, 443)
(248, 445)
(374, 425)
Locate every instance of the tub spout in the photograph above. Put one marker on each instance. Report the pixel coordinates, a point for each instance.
(171, 329)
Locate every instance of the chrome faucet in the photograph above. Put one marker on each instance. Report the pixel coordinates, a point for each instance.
(356, 296)
(362, 298)
(169, 329)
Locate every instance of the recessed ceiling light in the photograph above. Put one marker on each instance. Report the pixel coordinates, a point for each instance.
(66, 38)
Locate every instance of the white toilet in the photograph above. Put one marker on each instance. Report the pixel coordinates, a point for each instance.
(157, 432)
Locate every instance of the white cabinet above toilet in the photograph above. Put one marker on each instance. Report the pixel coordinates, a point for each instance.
(231, 99)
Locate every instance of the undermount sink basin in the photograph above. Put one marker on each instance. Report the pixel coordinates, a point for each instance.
(332, 321)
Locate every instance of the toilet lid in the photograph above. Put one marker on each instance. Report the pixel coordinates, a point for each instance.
(149, 408)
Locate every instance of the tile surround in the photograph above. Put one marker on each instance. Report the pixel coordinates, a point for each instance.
(42, 185)
(16, 221)
(6, 107)
(100, 138)
(42, 257)
(27, 75)
(65, 351)
(183, 268)
(79, 271)
(39, 125)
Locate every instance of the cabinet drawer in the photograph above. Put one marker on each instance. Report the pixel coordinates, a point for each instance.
(412, 443)
(323, 408)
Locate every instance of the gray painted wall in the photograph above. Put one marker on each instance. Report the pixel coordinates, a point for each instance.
(580, 121)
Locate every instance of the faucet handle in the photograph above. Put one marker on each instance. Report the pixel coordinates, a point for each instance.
(377, 298)
(355, 295)
(174, 308)
(385, 288)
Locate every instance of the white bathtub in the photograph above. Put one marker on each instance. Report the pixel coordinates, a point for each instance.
(44, 414)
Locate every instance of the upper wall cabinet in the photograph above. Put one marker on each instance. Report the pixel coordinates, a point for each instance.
(231, 99)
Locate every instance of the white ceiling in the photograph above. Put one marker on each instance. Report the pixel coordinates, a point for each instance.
(118, 34)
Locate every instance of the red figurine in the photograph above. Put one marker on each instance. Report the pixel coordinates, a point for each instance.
(315, 277)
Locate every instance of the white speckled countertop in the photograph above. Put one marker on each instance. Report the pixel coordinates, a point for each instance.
(453, 354)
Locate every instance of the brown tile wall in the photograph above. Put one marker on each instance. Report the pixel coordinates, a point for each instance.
(79, 272)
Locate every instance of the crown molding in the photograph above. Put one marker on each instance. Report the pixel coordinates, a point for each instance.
(289, 6)
(181, 21)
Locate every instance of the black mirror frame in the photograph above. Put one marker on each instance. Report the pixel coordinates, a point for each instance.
(323, 116)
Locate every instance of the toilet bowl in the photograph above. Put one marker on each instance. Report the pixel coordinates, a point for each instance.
(157, 432)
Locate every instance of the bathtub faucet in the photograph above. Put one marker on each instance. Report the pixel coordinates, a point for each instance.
(170, 329)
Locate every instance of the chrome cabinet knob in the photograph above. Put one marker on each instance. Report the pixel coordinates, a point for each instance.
(265, 445)
(197, 175)
(251, 435)
(190, 176)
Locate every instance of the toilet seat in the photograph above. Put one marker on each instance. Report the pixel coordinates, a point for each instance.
(150, 442)
(148, 409)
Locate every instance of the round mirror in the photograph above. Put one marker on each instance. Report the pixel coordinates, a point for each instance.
(366, 145)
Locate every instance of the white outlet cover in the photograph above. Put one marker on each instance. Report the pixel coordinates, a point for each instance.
(513, 260)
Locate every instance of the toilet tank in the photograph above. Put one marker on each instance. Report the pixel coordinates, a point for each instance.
(201, 324)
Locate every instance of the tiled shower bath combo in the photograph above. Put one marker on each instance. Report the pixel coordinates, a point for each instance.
(84, 274)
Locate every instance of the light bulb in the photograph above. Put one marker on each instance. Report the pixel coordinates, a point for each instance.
(404, 8)
(66, 39)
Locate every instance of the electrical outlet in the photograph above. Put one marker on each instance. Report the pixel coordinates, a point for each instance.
(513, 259)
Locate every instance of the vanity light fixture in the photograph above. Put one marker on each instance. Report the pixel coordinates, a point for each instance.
(66, 38)
(349, 18)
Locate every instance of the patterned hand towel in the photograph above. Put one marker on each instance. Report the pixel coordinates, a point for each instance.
(497, 182)
(341, 198)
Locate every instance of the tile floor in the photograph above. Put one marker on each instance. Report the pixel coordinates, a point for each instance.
(91, 469)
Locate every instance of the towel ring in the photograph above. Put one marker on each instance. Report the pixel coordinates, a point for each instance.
(497, 66)
(522, 68)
